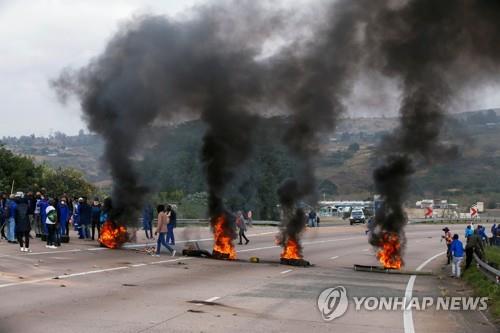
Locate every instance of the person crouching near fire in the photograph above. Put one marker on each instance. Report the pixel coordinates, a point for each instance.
(161, 231)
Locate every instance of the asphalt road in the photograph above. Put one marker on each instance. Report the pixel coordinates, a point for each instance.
(126, 290)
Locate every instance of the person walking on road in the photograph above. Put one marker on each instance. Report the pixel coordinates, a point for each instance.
(457, 252)
(161, 231)
(50, 223)
(173, 224)
(23, 226)
(240, 223)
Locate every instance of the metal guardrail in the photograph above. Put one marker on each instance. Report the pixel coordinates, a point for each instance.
(444, 220)
(490, 272)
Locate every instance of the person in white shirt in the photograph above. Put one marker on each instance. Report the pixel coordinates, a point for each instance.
(50, 222)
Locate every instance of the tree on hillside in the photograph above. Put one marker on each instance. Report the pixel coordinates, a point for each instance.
(19, 169)
(70, 181)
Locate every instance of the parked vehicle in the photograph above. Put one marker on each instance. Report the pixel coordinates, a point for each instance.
(357, 216)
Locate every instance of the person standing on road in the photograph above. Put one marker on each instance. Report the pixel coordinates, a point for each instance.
(457, 251)
(448, 239)
(38, 220)
(173, 224)
(96, 218)
(11, 211)
(50, 223)
(147, 220)
(240, 223)
(43, 204)
(85, 216)
(312, 219)
(23, 226)
(31, 211)
(161, 231)
(63, 215)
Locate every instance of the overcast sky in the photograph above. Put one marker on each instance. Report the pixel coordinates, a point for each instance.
(40, 37)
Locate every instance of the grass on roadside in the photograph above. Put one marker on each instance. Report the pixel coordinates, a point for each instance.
(484, 287)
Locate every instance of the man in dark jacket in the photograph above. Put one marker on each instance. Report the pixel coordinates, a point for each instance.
(85, 215)
(474, 245)
(23, 226)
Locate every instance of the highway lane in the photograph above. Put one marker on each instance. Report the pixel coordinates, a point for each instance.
(129, 291)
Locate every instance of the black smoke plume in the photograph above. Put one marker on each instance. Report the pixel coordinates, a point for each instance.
(157, 69)
(428, 46)
(319, 78)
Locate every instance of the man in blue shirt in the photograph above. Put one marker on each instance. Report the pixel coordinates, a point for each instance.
(457, 251)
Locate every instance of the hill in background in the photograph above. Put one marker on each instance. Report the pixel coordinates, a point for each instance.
(344, 163)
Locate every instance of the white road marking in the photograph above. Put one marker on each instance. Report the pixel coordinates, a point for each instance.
(211, 299)
(334, 257)
(365, 250)
(67, 276)
(52, 252)
(91, 272)
(287, 271)
(304, 243)
(407, 314)
(138, 265)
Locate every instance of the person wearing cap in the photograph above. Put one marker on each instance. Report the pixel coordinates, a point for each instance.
(457, 251)
(448, 239)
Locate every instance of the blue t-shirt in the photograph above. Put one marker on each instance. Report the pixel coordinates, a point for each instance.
(457, 248)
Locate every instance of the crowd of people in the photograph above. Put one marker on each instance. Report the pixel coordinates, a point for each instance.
(476, 238)
(49, 218)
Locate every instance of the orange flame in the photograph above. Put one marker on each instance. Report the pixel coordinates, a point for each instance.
(223, 243)
(291, 250)
(113, 236)
(389, 253)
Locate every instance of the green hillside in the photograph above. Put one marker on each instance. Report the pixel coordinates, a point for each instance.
(169, 161)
